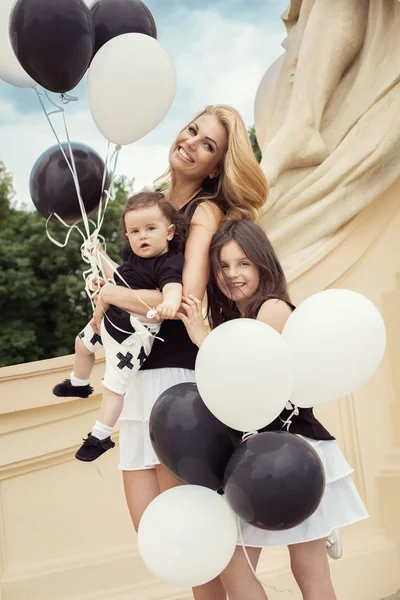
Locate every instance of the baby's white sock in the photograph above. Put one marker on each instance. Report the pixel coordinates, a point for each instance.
(78, 382)
(100, 431)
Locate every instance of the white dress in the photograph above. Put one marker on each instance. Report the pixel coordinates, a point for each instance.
(136, 451)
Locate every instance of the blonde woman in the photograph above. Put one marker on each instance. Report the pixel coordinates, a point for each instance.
(213, 175)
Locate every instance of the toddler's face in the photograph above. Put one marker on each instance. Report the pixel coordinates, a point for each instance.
(148, 231)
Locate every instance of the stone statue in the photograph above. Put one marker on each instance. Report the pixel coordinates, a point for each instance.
(328, 120)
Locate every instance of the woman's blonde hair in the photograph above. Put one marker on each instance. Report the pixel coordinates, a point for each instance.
(240, 189)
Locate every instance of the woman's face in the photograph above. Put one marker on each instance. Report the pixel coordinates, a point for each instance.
(200, 148)
(239, 277)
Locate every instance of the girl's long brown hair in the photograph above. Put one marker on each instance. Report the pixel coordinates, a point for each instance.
(258, 249)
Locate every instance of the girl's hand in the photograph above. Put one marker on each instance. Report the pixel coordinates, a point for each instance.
(191, 315)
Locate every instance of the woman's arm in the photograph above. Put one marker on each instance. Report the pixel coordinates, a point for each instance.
(274, 313)
(127, 299)
(205, 222)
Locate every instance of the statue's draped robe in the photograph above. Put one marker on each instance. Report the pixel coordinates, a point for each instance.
(360, 126)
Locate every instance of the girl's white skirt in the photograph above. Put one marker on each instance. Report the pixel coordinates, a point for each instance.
(136, 451)
(341, 504)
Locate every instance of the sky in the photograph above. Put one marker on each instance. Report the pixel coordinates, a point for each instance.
(220, 48)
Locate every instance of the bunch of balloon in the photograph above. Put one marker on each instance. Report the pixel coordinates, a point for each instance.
(246, 372)
(245, 375)
(53, 43)
(196, 445)
(131, 86)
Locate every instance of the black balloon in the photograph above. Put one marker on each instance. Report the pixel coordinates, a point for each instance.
(188, 440)
(52, 187)
(53, 40)
(116, 17)
(274, 480)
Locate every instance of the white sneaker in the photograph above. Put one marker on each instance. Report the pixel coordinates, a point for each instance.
(334, 545)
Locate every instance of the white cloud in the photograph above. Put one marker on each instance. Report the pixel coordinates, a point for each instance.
(226, 60)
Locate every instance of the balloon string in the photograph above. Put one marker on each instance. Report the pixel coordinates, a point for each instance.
(271, 587)
(294, 413)
(111, 192)
(72, 167)
(103, 183)
(90, 239)
(75, 175)
(70, 227)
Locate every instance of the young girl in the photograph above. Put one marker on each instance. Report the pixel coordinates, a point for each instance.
(155, 233)
(247, 280)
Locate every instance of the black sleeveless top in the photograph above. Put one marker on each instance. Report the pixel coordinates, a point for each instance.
(304, 423)
(177, 350)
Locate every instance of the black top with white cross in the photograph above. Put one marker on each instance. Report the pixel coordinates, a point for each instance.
(177, 350)
(141, 274)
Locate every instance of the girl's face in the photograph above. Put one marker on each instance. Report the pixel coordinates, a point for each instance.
(199, 148)
(239, 277)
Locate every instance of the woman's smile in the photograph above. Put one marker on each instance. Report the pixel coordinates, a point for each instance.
(185, 155)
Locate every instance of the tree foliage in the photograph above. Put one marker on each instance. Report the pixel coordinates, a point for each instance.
(254, 143)
(43, 304)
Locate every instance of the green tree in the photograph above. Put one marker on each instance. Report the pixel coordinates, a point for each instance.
(254, 144)
(43, 304)
(6, 195)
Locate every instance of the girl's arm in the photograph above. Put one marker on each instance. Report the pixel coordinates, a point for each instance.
(192, 316)
(205, 222)
(274, 313)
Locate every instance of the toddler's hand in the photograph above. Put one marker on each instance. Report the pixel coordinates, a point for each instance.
(167, 309)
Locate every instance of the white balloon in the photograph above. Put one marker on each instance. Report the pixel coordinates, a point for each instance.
(131, 87)
(244, 374)
(187, 535)
(10, 68)
(337, 338)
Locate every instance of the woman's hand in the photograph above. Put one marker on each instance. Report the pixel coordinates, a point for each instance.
(93, 324)
(101, 308)
(96, 284)
(97, 317)
(191, 315)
